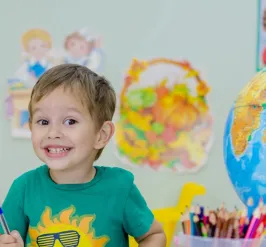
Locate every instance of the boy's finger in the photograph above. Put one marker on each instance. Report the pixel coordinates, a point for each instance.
(7, 239)
(16, 235)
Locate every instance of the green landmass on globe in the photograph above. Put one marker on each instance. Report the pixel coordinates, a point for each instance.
(249, 105)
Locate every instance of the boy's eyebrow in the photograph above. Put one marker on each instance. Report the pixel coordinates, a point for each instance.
(38, 109)
(73, 109)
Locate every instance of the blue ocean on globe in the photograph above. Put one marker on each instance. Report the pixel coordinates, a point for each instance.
(248, 171)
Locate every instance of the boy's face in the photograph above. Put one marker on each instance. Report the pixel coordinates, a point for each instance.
(64, 135)
(78, 48)
(38, 48)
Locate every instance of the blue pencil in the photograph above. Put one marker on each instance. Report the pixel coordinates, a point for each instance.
(3, 222)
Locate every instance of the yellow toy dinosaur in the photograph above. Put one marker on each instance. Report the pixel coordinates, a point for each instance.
(169, 217)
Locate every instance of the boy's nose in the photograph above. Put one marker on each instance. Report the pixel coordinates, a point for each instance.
(54, 132)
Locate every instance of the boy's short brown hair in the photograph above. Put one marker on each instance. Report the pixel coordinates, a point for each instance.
(94, 91)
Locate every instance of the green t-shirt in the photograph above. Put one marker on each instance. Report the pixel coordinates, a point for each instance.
(101, 213)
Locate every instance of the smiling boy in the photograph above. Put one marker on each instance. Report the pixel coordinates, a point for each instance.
(68, 201)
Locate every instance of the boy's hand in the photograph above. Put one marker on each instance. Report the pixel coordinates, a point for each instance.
(12, 240)
(154, 238)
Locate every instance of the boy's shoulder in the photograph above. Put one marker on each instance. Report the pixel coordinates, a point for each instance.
(116, 176)
(115, 180)
(30, 175)
(116, 172)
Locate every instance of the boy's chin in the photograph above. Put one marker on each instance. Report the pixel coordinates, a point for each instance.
(58, 166)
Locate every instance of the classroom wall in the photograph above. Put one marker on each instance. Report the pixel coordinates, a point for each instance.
(218, 37)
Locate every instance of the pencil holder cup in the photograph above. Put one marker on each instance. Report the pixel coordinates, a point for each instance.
(192, 241)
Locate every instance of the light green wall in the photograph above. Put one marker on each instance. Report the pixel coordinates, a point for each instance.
(218, 37)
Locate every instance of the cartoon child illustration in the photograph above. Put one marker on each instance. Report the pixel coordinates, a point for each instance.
(84, 49)
(36, 44)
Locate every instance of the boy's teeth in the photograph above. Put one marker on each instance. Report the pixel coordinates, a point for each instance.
(57, 150)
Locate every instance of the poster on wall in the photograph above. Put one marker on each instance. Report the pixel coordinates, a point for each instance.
(84, 48)
(164, 121)
(261, 46)
(38, 55)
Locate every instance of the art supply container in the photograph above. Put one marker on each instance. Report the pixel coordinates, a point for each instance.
(192, 241)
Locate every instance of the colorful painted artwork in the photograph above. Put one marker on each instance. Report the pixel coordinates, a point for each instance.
(38, 55)
(163, 120)
(261, 39)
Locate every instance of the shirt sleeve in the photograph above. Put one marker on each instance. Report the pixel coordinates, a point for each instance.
(138, 218)
(13, 210)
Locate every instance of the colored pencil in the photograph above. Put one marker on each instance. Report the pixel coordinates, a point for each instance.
(236, 229)
(225, 225)
(254, 220)
(212, 224)
(3, 222)
(230, 229)
(191, 215)
(197, 225)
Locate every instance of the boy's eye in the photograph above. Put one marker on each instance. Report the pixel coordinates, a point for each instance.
(70, 121)
(43, 122)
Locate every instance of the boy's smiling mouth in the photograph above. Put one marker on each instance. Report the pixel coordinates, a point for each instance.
(55, 151)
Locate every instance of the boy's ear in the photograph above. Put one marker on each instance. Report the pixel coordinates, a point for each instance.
(104, 135)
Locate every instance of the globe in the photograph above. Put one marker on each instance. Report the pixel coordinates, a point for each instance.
(245, 141)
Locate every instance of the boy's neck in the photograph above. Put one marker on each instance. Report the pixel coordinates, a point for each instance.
(75, 176)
